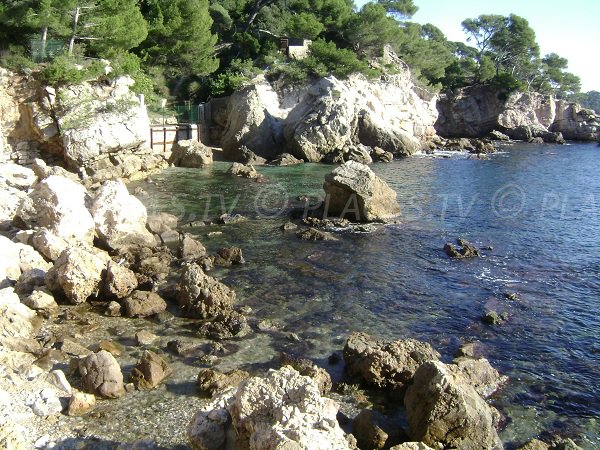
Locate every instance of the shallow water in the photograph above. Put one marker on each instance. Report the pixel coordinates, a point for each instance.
(537, 206)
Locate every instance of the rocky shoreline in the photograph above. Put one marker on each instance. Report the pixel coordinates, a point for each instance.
(83, 264)
(73, 247)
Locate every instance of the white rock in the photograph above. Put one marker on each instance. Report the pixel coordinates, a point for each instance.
(58, 379)
(120, 218)
(15, 317)
(58, 204)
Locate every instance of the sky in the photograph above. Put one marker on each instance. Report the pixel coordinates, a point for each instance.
(570, 28)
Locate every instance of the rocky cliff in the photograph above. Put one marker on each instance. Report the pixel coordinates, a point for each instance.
(476, 111)
(98, 129)
(314, 122)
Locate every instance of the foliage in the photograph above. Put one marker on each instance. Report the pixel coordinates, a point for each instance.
(590, 100)
(65, 70)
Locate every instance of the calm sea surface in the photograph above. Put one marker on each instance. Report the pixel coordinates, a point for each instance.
(538, 207)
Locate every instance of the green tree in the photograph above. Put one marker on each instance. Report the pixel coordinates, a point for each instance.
(179, 37)
(399, 8)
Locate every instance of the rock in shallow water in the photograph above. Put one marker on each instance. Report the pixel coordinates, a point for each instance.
(150, 371)
(144, 304)
(102, 375)
(201, 295)
(354, 191)
(443, 407)
(385, 364)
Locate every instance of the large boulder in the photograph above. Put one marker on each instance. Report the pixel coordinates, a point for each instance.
(58, 204)
(203, 296)
(120, 218)
(191, 153)
(77, 274)
(483, 377)
(101, 375)
(443, 407)
(354, 191)
(281, 410)
(391, 113)
(254, 122)
(385, 364)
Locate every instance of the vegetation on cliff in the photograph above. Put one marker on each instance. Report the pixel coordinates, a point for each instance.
(193, 49)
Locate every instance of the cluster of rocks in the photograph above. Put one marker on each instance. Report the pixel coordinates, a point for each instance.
(63, 243)
(481, 111)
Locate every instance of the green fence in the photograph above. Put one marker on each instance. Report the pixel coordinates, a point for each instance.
(42, 51)
(188, 113)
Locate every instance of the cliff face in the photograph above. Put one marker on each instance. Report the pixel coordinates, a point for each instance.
(313, 121)
(475, 111)
(99, 130)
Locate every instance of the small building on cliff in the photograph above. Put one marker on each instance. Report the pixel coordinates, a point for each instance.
(296, 48)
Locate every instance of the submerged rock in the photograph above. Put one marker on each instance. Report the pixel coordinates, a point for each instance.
(102, 375)
(201, 295)
(228, 256)
(385, 364)
(281, 410)
(312, 234)
(225, 325)
(466, 250)
(442, 407)
(189, 248)
(285, 159)
(354, 191)
(212, 381)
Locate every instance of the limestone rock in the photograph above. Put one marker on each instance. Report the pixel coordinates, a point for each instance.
(312, 234)
(120, 218)
(225, 325)
(40, 300)
(191, 153)
(190, 248)
(352, 190)
(77, 274)
(254, 121)
(150, 371)
(479, 372)
(15, 317)
(212, 381)
(102, 375)
(144, 304)
(443, 407)
(281, 410)
(228, 256)
(285, 159)
(411, 446)
(17, 259)
(43, 171)
(308, 368)
(161, 222)
(244, 171)
(15, 180)
(144, 337)
(48, 244)
(385, 364)
(80, 403)
(58, 204)
(201, 295)
(119, 281)
(374, 431)
(466, 250)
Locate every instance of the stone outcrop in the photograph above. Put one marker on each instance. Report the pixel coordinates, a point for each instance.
(442, 407)
(312, 121)
(385, 364)
(98, 129)
(201, 295)
(477, 111)
(281, 410)
(120, 218)
(191, 153)
(354, 191)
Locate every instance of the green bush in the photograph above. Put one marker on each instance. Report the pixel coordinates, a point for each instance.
(16, 60)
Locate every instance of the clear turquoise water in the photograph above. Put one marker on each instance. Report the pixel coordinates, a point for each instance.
(537, 206)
